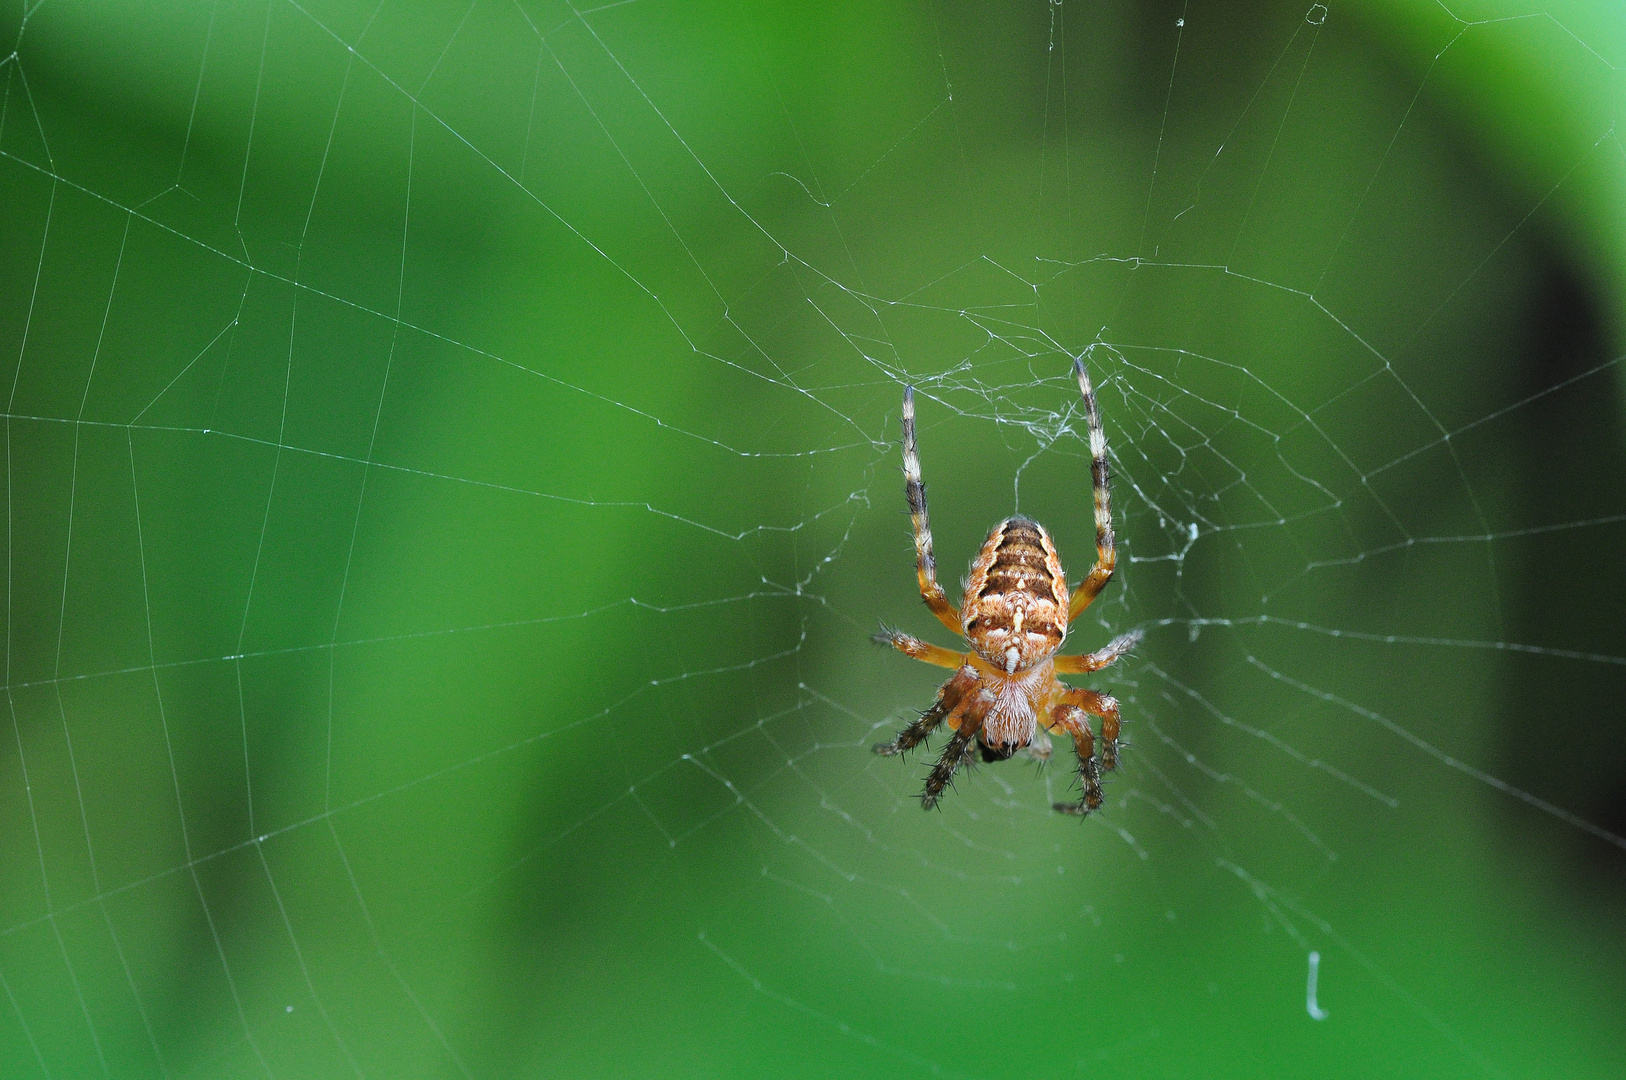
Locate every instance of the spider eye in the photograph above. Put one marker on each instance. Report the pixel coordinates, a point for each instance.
(971, 626)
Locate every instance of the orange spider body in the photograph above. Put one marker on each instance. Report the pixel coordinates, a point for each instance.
(1015, 615)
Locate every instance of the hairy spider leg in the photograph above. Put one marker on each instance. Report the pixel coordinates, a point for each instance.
(925, 560)
(920, 650)
(959, 749)
(1069, 718)
(949, 697)
(1106, 550)
(1095, 661)
(1106, 707)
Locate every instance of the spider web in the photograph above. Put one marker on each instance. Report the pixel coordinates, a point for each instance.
(452, 477)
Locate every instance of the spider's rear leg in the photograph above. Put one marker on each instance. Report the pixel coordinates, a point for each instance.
(958, 751)
(949, 697)
(914, 490)
(1069, 717)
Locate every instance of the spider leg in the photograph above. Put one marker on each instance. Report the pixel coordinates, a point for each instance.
(1069, 718)
(949, 697)
(920, 650)
(1095, 661)
(1106, 550)
(925, 560)
(1106, 707)
(959, 749)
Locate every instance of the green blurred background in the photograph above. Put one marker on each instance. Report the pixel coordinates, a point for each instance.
(451, 475)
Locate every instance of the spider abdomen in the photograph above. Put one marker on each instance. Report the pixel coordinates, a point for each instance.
(1015, 609)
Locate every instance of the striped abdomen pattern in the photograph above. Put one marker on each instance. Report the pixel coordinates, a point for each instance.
(1015, 607)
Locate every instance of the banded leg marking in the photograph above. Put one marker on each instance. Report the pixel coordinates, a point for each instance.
(1106, 549)
(915, 490)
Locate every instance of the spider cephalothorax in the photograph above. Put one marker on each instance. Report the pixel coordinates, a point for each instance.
(1014, 614)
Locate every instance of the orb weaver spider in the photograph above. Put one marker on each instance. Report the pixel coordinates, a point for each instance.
(1015, 615)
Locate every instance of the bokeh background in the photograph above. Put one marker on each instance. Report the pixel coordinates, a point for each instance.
(451, 475)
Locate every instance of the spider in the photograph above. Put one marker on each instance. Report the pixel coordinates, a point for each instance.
(1015, 616)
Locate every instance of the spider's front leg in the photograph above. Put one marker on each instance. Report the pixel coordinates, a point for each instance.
(959, 749)
(1070, 719)
(1069, 716)
(1106, 707)
(949, 697)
